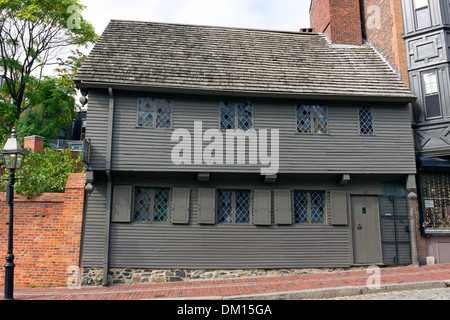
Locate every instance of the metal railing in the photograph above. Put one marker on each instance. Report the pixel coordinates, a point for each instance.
(76, 145)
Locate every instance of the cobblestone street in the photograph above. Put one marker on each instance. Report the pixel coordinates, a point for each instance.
(431, 294)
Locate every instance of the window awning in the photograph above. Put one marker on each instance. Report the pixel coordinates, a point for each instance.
(434, 164)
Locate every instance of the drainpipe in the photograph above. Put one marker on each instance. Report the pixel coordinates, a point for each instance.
(108, 187)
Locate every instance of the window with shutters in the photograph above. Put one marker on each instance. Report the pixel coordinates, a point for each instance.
(309, 207)
(155, 113)
(312, 119)
(432, 99)
(151, 205)
(236, 115)
(233, 206)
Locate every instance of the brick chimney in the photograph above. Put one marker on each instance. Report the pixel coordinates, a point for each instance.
(339, 20)
(34, 143)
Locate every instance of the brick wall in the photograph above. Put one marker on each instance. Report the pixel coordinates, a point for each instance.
(384, 30)
(340, 20)
(47, 235)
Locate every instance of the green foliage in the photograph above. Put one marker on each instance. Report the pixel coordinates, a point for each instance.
(54, 111)
(31, 32)
(45, 172)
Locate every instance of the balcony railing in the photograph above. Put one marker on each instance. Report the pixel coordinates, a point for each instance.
(76, 145)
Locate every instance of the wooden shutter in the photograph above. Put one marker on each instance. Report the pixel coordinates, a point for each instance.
(206, 206)
(338, 208)
(283, 207)
(180, 205)
(262, 203)
(122, 203)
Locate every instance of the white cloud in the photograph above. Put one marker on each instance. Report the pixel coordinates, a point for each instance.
(259, 14)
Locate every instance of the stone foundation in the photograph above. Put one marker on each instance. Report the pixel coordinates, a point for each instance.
(127, 276)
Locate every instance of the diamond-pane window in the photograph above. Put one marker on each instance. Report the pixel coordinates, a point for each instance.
(301, 207)
(233, 206)
(303, 119)
(225, 206)
(237, 115)
(312, 119)
(151, 205)
(161, 205)
(365, 121)
(155, 113)
(309, 207)
(242, 206)
(317, 207)
(142, 204)
(320, 119)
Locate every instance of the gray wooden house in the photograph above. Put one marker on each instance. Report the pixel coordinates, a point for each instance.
(427, 36)
(346, 151)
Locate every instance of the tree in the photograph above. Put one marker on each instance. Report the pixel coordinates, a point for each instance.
(31, 34)
(54, 101)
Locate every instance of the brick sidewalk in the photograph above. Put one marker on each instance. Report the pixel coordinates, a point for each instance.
(217, 289)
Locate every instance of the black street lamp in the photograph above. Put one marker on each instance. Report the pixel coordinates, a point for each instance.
(13, 154)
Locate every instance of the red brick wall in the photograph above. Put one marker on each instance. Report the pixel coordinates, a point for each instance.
(340, 20)
(386, 36)
(47, 235)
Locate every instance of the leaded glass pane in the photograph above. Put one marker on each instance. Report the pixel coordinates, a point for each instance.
(161, 205)
(224, 206)
(242, 200)
(163, 113)
(142, 204)
(320, 119)
(365, 120)
(303, 119)
(301, 207)
(317, 207)
(245, 114)
(227, 116)
(146, 110)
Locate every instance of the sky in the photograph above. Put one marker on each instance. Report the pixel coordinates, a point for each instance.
(289, 15)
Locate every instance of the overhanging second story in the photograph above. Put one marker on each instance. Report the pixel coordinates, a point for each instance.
(178, 98)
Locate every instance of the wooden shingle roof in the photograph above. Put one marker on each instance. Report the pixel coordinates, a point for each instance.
(223, 60)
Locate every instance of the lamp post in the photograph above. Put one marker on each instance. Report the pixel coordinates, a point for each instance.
(13, 155)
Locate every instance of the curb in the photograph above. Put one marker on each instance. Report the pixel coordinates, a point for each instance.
(328, 293)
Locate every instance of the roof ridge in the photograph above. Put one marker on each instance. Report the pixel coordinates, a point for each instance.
(218, 27)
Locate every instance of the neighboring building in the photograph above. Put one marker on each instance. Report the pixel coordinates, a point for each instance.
(427, 37)
(346, 151)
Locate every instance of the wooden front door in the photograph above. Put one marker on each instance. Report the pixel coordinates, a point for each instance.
(366, 230)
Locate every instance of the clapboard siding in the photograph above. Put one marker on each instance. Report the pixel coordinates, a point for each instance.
(389, 150)
(165, 245)
(94, 236)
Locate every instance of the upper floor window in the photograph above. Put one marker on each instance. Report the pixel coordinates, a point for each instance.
(422, 14)
(155, 113)
(151, 205)
(312, 119)
(365, 120)
(432, 101)
(233, 206)
(236, 115)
